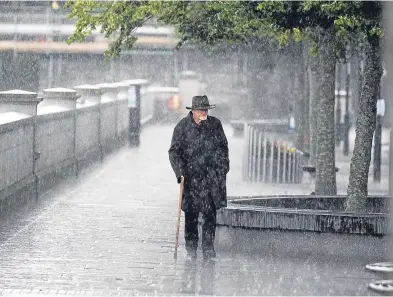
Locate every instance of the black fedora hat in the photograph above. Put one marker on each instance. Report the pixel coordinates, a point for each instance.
(201, 102)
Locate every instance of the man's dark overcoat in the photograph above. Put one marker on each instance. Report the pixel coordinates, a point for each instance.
(200, 154)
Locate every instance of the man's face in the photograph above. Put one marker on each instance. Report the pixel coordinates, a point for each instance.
(200, 114)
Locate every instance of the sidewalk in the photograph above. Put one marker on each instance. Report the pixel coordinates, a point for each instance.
(344, 162)
(113, 233)
(238, 188)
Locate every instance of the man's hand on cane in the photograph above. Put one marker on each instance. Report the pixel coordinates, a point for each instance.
(180, 179)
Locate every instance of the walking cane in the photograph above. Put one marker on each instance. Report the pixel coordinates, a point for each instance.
(178, 216)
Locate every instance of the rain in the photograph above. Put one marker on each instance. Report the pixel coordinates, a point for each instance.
(195, 148)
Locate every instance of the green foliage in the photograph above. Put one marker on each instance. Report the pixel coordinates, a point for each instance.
(363, 18)
(229, 22)
(210, 22)
(117, 20)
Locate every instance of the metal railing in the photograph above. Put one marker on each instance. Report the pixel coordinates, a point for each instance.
(269, 160)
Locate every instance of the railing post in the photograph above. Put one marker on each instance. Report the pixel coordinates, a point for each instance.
(264, 159)
(254, 155)
(245, 152)
(293, 166)
(290, 165)
(296, 167)
(271, 161)
(300, 167)
(251, 133)
(285, 164)
(278, 162)
(259, 156)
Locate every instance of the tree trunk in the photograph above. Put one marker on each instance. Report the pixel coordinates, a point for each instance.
(365, 126)
(298, 92)
(314, 78)
(355, 83)
(325, 183)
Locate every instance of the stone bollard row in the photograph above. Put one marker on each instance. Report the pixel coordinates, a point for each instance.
(46, 139)
(18, 110)
(269, 161)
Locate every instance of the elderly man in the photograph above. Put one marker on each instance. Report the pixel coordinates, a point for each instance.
(199, 154)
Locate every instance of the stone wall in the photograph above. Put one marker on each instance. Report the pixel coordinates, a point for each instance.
(55, 144)
(54, 137)
(16, 159)
(317, 214)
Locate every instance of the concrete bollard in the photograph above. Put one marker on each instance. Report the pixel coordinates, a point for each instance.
(122, 90)
(58, 100)
(259, 166)
(108, 92)
(109, 116)
(89, 95)
(19, 101)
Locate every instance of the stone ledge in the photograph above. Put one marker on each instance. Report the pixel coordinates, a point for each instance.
(54, 174)
(23, 191)
(89, 157)
(284, 244)
(17, 193)
(109, 145)
(11, 126)
(41, 118)
(87, 109)
(108, 104)
(374, 204)
(271, 213)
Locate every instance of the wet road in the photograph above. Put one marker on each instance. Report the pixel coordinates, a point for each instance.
(112, 232)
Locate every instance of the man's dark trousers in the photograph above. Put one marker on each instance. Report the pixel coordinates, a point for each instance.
(208, 231)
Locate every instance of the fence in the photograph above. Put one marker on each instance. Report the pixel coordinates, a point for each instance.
(269, 160)
(45, 139)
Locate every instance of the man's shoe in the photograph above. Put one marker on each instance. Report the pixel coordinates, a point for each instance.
(191, 256)
(209, 255)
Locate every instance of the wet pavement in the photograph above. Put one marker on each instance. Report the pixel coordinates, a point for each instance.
(112, 232)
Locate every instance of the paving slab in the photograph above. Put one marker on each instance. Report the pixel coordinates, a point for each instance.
(112, 233)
